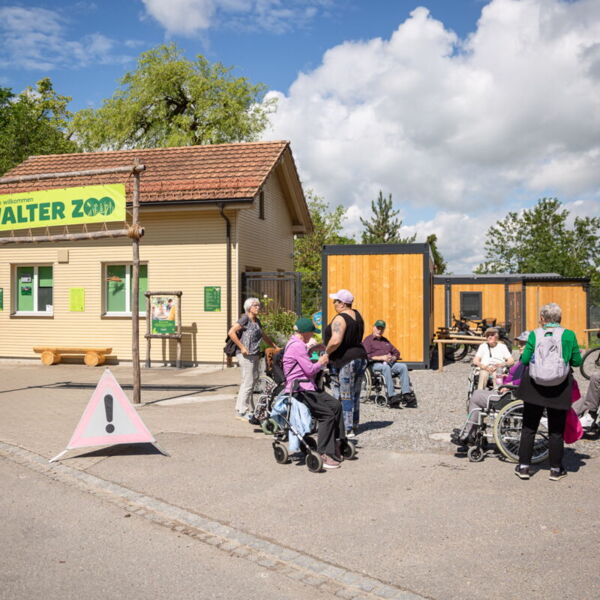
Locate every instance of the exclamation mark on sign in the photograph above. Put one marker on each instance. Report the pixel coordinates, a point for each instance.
(108, 408)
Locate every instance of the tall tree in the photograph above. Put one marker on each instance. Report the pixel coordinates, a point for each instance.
(327, 227)
(33, 122)
(439, 264)
(539, 240)
(172, 101)
(383, 227)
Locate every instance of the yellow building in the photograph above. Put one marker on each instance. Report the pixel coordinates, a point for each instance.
(199, 205)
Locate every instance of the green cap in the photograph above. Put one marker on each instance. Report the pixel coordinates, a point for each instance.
(304, 325)
(380, 323)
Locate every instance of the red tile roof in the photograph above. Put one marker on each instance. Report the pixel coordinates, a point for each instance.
(200, 173)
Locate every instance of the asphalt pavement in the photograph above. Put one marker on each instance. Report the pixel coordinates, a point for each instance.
(393, 523)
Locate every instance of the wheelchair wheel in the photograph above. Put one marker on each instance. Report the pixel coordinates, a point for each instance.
(348, 450)
(269, 426)
(590, 363)
(281, 453)
(381, 400)
(314, 462)
(264, 386)
(507, 434)
(366, 385)
(475, 454)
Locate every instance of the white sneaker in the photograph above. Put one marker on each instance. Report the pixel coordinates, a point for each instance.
(586, 421)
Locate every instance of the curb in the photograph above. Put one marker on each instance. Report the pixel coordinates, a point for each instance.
(298, 566)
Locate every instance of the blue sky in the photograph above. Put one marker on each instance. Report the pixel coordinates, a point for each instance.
(461, 109)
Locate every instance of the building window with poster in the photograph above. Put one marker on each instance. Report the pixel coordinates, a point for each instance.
(470, 305)
(33, 290)
(117, 285)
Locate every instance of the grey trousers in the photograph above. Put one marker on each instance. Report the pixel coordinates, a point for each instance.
(591, 400)
(249, 370)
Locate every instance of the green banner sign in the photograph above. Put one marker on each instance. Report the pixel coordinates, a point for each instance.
(68, 206)
(163, 327)
(212, 298)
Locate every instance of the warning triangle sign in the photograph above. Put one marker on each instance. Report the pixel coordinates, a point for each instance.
(109, 419)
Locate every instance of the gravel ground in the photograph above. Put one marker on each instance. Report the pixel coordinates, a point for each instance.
(442, 407)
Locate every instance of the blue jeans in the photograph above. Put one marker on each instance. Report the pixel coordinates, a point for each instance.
(346, 387)
(396, 370)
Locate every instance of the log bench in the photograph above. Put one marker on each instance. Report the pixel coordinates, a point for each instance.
(92, 357)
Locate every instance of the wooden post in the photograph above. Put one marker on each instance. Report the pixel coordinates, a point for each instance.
(179, 340)
(135, 290)
(148, 331)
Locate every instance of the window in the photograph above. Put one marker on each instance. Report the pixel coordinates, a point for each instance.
(470, 305)
(117, 289)
(33, 290)
(261, 206)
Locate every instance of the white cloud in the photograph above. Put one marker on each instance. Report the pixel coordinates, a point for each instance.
(463, 127)
(36, 38)
(191, 17)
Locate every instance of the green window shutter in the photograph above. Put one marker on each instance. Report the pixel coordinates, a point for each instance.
(115, 288)
(24, 289)
(44, 277)
(143, 286)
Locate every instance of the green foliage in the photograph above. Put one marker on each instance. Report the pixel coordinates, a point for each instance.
(439, 264)
(277, 322)
(34, 122)
(540, 241)
(383, 227)
(172, 101)
(327, 224)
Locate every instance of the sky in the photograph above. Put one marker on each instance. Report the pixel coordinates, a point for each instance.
(462, 110)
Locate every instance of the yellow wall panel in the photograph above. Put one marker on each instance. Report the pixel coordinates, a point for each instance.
(388, 287)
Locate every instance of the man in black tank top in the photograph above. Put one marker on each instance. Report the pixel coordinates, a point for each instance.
(347, 357)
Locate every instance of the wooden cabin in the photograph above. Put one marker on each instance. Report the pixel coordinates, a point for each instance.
(515, 298)
(393, 282)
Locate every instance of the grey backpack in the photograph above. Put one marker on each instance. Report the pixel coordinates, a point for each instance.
(547, 366)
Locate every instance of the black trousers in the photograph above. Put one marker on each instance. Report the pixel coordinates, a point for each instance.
(532, 413)
(328, 412)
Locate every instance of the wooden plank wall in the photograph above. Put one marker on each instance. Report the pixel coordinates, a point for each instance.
(570, 297)
(492, 299)
(385, 286)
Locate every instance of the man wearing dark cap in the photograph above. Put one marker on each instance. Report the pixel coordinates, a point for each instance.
(385, 356)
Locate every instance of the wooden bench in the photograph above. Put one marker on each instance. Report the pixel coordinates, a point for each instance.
(92, 357)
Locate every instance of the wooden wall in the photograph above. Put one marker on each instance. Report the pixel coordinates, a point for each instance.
(571, 297)
(385, 286)
(439, 306)
(493, 299)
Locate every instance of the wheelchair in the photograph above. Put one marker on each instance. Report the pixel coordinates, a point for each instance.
(501, 421)
(281, 414)
(373, 388)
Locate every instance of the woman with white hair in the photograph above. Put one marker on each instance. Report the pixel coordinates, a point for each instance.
(538, 393)
(246, 335)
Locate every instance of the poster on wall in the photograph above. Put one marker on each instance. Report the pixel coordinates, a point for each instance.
(1, 298)
(212, 298)
(164, 315)
(77, 299)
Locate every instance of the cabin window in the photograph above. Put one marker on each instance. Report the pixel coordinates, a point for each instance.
(470, 305)
(261, 206)
(34, 290)
(117, 286)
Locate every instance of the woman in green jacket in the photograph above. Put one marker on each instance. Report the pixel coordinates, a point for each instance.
(556, 399)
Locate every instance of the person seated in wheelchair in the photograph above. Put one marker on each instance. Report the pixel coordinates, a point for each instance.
(483, 399)
(326, 409)
(491, 356)
(383, 356)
